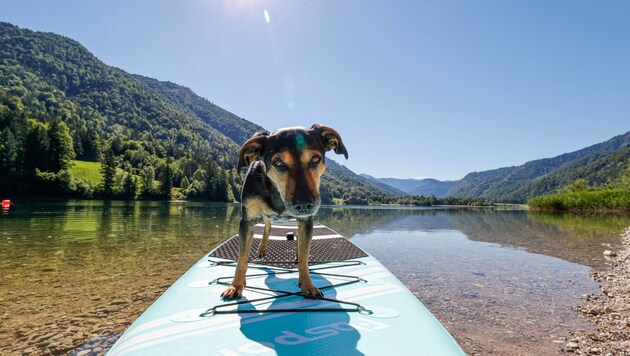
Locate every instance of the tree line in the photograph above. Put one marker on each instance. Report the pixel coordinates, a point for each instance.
(36, 157)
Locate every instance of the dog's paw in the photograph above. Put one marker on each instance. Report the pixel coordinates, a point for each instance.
(309, 290)
(262, 251)
(232, 292)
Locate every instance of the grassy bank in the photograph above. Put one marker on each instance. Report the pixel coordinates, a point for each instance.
(89, 172)
(606, 199)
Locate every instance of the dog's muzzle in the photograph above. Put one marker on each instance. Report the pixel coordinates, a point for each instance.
(303, 209)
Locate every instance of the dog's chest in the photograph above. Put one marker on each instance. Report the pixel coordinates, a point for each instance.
(280, 218)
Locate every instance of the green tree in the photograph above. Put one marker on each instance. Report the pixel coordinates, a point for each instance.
(217, 185)
(185, 183)
(197, 185)
(53, 182)
(579, 185)
(8, 159)
(148, 176)
(92, 146)
(228, 191)
(235, 185)
(129, 183)
(166, 179)
(212, 181)
(61, 152)
(8, 153)
(36, 147)
(108, 173)
(623, 181)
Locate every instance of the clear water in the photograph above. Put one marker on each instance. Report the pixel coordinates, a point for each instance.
(502, 281)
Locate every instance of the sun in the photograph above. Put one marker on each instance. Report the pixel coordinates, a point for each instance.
(253, 10)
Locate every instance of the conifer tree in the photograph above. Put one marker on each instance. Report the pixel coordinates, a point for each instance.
(166, 180)
(91, 146)
(8, 159)
(36, 147)
(8, 152)
(61, 152)
(108, 172)
(148, 176)
(130, 186)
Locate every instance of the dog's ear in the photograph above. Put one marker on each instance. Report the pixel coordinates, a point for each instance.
(330, 139)
(252, 149)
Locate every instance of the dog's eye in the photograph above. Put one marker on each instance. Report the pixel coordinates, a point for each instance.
(315, 160)
(278, 163)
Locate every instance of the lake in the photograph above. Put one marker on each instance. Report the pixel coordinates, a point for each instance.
(502, 281)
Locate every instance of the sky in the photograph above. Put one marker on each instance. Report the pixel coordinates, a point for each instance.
(417, 89)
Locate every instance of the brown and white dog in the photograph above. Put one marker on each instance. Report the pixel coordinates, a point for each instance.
(283, 180)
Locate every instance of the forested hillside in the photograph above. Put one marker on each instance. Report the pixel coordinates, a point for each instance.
(340, 182)
(59, 103)
(232, 126)
(596, 164)
(596, 170)
(52, 86)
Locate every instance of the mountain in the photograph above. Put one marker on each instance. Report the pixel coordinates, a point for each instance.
(58, 102)
(230, 125)
(597, 164)
(424, 187)
(46, 78)
(429, 186)
(597, 169)
(392, 189)
(55, 77)
(338, 181)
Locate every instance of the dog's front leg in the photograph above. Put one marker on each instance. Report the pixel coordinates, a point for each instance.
(264, 243)
(245, 236)
(305, 235)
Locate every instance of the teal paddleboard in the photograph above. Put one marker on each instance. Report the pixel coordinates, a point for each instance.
(365, 310)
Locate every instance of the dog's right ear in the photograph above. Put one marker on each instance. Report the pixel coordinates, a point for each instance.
(252, 150)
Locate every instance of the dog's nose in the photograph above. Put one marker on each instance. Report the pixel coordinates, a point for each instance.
(303, 208)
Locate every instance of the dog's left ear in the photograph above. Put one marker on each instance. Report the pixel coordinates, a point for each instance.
(331, 139)
(252, 149)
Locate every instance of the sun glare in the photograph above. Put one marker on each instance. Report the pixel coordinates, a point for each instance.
(246, 9)
(266, 14)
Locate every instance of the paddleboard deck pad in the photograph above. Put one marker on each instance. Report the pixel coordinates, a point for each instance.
(365, 309)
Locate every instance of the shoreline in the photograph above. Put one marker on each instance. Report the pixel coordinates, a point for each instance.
(609, 311)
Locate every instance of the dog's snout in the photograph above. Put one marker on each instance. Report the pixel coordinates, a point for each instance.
(303, 208)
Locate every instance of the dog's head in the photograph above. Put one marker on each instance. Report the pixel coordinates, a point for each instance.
(295, 161)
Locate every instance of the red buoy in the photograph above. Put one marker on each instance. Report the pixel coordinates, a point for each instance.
(6, 203)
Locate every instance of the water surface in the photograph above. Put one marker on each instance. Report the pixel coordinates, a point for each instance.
(502, 281)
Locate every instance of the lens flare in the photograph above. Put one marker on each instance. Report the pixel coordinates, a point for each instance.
(300, 143)
(267, 18)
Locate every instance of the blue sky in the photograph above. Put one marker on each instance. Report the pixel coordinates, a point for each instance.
(416, 88)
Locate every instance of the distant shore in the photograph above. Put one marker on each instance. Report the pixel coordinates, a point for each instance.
(609, 312)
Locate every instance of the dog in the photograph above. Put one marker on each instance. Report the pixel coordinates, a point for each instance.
(282, 180)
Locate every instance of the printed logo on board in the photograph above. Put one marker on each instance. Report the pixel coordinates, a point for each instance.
(292, 338)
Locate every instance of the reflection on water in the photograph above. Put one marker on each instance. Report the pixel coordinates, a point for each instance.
(500, 280)
(73, 271)
(572, 237)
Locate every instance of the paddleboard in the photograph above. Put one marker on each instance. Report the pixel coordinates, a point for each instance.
(365, 309)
